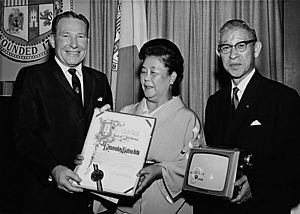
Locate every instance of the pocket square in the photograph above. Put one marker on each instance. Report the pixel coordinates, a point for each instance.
(100, 99)
(255, 123)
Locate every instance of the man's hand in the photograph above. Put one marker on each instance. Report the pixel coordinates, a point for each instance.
(64, 177)
(78, 160)
(244, 191)
(147, 176)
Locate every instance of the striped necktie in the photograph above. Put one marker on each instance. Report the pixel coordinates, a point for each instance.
(76, 83)
(235, 98)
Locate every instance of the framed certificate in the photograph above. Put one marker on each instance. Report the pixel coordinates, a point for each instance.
(212, 171)
(114, 151)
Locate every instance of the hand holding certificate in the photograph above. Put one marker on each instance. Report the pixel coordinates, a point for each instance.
(115, 150)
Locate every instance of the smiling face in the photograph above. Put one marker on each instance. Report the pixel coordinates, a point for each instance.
(70, 41)
(156, 80)
(239, 64)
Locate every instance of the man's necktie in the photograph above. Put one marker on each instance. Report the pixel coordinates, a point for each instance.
(75, 83)
(235, 98)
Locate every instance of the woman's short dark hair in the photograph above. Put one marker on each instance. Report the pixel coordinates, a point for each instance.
(170, 55)
(69, 14)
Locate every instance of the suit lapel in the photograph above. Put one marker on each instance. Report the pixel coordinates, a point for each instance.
(88, 85)
(226, 106)
(246, 104)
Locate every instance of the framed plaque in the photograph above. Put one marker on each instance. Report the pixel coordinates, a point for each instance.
(114, 151)
(212, 171)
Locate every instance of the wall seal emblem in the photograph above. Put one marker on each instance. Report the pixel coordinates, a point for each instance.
(25, 27)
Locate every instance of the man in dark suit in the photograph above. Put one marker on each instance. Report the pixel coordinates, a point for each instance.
(262, 119)
(53, 107)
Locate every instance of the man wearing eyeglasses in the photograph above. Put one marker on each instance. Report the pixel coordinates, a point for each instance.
(259, 116)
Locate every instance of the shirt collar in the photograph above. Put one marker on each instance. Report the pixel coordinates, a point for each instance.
(66, 68)
(243, 84)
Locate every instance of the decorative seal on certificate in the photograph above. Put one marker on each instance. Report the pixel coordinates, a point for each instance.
(25, 27)
(96, 176)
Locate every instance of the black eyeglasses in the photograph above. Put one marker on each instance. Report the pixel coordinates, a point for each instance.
(240, 46)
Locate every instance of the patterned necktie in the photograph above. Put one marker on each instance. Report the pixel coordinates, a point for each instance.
(235, 98)
(75, 83)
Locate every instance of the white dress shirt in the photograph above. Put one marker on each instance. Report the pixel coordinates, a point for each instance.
(242, 85)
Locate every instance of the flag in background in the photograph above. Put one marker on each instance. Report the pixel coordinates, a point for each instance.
(130, 35)
(115, 58)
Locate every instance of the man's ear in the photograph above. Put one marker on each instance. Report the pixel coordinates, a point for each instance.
(217, 52)
(52, 41)
(257, 48)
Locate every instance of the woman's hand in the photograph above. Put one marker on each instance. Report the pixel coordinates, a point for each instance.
(147, 176)
(104, 108)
